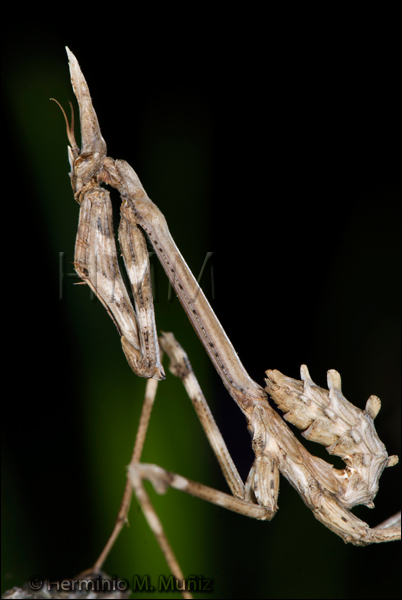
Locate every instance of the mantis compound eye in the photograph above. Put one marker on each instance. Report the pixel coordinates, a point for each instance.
(86, 166)
(85, 161)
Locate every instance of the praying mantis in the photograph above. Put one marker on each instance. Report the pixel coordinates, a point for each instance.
(324, 416)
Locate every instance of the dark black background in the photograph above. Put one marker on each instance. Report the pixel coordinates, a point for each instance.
(268, 134)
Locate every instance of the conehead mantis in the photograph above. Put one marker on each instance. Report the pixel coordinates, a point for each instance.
(324, 416)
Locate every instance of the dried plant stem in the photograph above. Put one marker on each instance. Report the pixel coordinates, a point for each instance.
(121, 519)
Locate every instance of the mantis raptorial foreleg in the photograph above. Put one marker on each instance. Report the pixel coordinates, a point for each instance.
(97, 265)
(325, 416)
